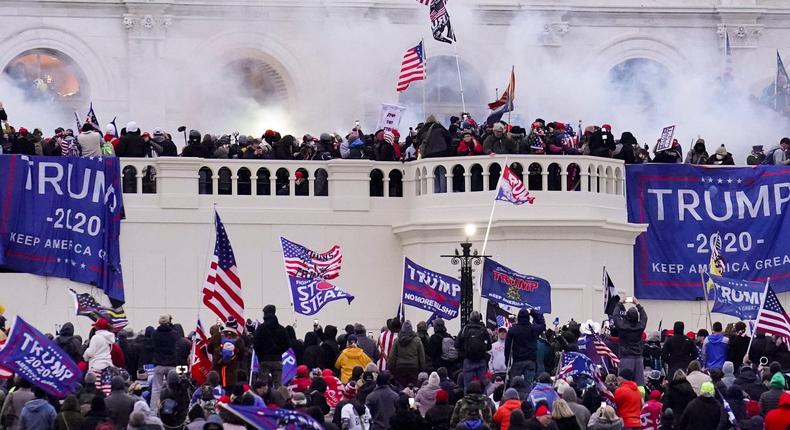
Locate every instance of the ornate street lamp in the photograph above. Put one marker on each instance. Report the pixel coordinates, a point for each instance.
(465, 259)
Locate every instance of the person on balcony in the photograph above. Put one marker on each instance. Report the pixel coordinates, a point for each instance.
(626, 147)
(698, 154)
(469, 145)
(721, 158)
(433, 139)
(194, 146)
(131, 144)
(497, 142)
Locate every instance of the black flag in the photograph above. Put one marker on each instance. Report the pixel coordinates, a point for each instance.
(440, 22)
(497, 317)
(610, 297)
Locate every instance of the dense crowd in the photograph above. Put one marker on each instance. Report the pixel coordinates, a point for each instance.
(506, 378)
(462, 137)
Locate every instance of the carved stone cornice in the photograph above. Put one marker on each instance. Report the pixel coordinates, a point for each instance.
(147, 25)
(741, 35)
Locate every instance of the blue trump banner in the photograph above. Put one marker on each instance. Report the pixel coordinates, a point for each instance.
(686, 206)
(503, 285)
(289, 366)
(575, 363)
(311, 294)
(429, 290)
(61, 216)
(741, 299)
(37, 359)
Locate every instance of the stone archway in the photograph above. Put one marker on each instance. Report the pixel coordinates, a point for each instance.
(48, 75)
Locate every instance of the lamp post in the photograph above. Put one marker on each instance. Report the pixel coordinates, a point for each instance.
(466, 258)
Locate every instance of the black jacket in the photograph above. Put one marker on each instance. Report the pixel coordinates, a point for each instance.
(678, 395)
(466, 333)
(70, 344)
(270, 340)
(438, 417)
(195, 150)
(630, 332)
(164, 342)
(522, 339)
(678, 352)
(750, 383)
(132, 145)
(434, 140)
(703, 413)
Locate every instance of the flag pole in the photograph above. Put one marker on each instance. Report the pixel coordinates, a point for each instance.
(605, 287)
(705, 296)
(425, 78)
(488, 230)
(510, 97)
(460, 83)
(762, 304)
(776, 82)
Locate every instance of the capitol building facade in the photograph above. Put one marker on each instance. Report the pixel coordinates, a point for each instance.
(314, 65)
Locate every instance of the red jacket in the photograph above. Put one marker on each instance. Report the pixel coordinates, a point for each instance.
(779, 418)
(651, 415)
(629, 404)
(502, 415)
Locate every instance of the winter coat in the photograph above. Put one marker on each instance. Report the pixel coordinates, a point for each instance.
(350, 358)
(769, 400)
(696, 379)
(567, 423)
(69, 343)
(368, 346)
(434, 140)
(714, 351)
(270, 340)
(407, 352)
(499, 145)
(502, 415)
(357, 419)
(697, 158)
(37, 414)
(497, 363)
(426, 397)
(729, 373)
(434, 350)
(779, 418)
(195, 150)
(164, 340)
(90, 142)
(93, 419)
(132, 145)
(381, 403)
(630, 332)
(651, 415)
(474, 424)
(543, 392)
(678, 395)
(749, 382)
(407, 419)
(629, 403)
(719, 160)
(478, 401)
(438, 417)
(99, 351)
(522, 338)
(736, 348)
(472, 329)
(582, 413)
(69, 417)
(678, 352)
(119, 406)
(599, 423)
(703, 413)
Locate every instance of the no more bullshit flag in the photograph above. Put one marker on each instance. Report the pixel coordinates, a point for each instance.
(431, 291)
(37, 359)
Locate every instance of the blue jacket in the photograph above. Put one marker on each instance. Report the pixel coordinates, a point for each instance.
(37, 414)
(714, 351)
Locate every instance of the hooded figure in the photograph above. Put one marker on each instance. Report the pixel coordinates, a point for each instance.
(119, 404)
(704, 412)
(270, 341)
(474, 399)
(70, 416)
(351, 357)
(521, 344)
(630, 331)
(678, 350)
(99, 351)
(770, 399)
(312, 350)
(626, 153)
(69, 343)
(698, 155)
(433, 140)
(779, 418)
(721, 158)
(407, 358)
(37, 414)
(426, 396)
(582, 414)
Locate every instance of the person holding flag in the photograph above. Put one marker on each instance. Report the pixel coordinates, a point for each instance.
(630, 325)
(227, 349)
(521, 345)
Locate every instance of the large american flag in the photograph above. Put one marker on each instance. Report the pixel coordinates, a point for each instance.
(222, 289)
(412, 68)
(301, 262)
(104, 380)
(87, 306)
(604, 351)
(772, 317)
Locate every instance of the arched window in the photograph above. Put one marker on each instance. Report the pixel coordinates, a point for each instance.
(263, 182)
(494, 171)
(258, 80)
(459, 181)
(555, 177)
(396, 183)
(439, 179)
(417, 182)
(283, 183)
(442, 93)
(50, 76)
(302, 182)
(244, 182)
(477, 177)
(517, 170)
(535, 177)
(574, 177)
(225, 183)
(642, 82)
(321, 182)
(149, 180)
(129, 180)
(376, 183)
(205, 181)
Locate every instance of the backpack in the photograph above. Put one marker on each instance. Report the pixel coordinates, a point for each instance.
(475, 346)
(449, 353)
(769, 159)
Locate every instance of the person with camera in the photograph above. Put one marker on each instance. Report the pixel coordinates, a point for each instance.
(164, 340)
(174, 401)
(521, 345)
(630, 325)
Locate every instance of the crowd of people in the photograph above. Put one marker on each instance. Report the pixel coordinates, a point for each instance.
(511, 377)
(463, 136)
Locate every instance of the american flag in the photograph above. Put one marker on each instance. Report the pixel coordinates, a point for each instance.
(575, 363)
(104, 380)
(87, 306)
(502, 321)
(201, 359)
(772, 317)
(301, 262)
(604, 351)
(222, 289)
(412, 68)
